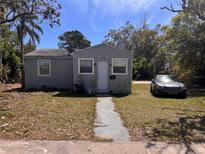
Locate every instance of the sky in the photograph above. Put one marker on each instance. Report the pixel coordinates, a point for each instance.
(94, 18)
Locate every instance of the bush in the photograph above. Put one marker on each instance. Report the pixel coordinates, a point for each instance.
(4, 71)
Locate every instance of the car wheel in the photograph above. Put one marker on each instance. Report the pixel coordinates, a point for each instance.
(155, 92)
(151, 90)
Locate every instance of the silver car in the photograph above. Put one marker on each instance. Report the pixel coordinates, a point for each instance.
(167, 85)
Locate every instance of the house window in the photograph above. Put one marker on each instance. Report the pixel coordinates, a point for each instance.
(44, 67)
(119, 66)
(85, 66)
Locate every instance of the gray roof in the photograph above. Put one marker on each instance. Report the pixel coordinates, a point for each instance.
(48, 52)
(104, 44)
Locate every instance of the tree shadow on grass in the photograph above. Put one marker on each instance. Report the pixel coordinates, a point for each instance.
(21, 90)
(185, 130)
(72, 94)
(120, 95)
(57, 92)
(175, 109)
(169, 97)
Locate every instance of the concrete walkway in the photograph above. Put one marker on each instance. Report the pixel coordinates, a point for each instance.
(108, 122)
(87, 147)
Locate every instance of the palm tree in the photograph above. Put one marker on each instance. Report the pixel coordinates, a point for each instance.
(27, 26)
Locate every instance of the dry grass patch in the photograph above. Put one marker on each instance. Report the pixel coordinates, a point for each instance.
(169, 119)
(47, 115)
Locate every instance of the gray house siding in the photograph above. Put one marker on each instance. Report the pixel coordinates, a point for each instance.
(61, 73)
(120, 85)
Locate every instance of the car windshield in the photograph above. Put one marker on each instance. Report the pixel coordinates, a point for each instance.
(167, 78)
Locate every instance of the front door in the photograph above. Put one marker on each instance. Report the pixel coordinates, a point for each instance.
(102, 77)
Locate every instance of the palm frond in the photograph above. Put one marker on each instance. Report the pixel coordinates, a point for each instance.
(32, 34)
(36, 26)
(29, 27)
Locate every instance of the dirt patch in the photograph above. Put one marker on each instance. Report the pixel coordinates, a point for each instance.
(9, 92)
(9, 87)
(136, 134)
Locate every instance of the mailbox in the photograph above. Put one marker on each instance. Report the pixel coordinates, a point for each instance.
(112, 77)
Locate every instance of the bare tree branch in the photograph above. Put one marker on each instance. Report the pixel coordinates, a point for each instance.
(196, 8)
(15, 17)
(171, 9)
(47, 10)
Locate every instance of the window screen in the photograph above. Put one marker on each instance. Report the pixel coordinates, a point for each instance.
(86, 66)
(119, 66)
(44, 67)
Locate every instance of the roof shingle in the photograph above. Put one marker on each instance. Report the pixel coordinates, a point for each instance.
(48, 52)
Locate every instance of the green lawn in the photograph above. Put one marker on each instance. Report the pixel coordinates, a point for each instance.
(169, 119)
(46, 115)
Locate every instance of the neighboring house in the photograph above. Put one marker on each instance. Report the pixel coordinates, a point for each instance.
(101, 68)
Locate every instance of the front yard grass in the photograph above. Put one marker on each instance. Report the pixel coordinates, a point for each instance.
(46, 115)
(162, 119)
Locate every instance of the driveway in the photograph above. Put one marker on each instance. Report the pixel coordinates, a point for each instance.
(87, 147)
(141, 82)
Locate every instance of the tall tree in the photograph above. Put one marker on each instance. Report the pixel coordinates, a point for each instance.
(143, 42)
(10, 68)
(46, 10)
(72, 40)
(121, 35)
(185, 40)
(27, 26)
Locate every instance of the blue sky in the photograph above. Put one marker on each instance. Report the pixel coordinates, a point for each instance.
(94, 18)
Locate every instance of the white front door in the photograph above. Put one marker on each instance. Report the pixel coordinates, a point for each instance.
(102, 77)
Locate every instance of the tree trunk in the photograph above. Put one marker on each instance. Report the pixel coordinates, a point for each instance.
(22, 64)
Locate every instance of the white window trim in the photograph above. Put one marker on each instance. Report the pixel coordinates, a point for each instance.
(126, 69)
(38, 68)
(79, 59)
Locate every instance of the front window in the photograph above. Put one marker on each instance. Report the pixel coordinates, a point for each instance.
(85, 66)
(167, 78)
(119, 66)
(44, 67)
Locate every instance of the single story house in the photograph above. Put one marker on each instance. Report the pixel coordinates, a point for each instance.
(99, 69)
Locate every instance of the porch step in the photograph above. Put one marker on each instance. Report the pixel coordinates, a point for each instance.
(103, 93)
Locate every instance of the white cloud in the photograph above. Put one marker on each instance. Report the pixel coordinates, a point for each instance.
(114, 7)
(111, 8)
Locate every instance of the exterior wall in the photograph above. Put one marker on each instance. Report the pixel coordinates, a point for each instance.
(61, 73)
(120, 85)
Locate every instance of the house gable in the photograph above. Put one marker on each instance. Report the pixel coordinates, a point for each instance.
(103, 46)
